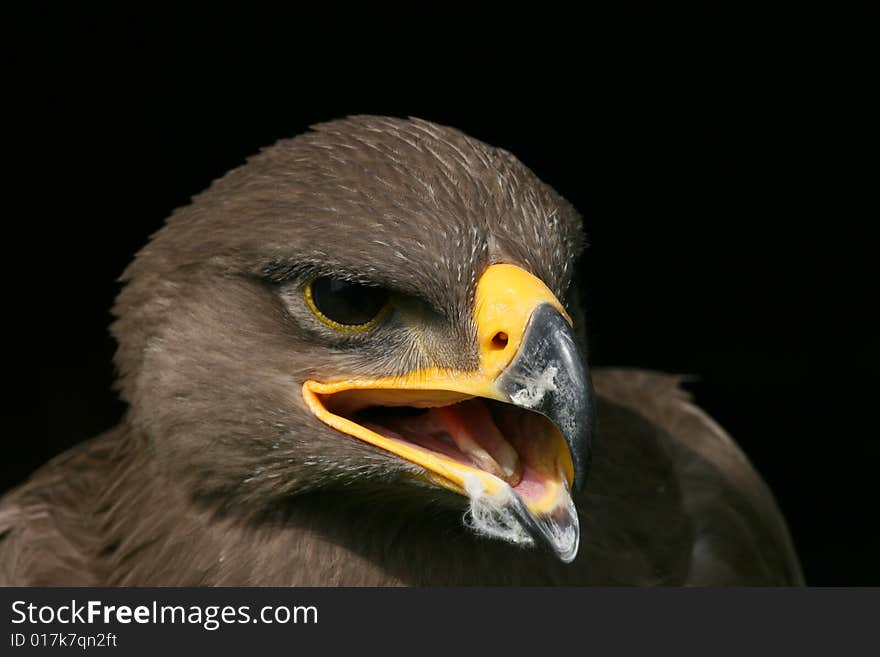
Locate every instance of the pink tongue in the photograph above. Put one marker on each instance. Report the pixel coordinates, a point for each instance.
(472, 428)
(461, 430)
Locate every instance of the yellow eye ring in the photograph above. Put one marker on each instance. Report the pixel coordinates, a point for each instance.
(309, 295)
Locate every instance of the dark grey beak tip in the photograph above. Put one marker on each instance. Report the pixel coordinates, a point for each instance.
(558, 533)
(550, 376)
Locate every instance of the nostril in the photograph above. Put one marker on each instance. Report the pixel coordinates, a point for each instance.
(499, 340)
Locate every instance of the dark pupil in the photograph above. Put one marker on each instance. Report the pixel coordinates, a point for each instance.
(347, 303)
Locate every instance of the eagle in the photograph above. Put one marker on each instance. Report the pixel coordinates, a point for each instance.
(360, 359)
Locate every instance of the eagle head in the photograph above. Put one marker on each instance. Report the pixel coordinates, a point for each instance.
(382, 308)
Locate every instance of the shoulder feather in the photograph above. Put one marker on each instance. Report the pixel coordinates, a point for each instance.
(740, 533)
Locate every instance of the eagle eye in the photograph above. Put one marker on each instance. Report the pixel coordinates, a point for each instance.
(344, 305)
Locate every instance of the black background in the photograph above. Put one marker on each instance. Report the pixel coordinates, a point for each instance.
(726, 169)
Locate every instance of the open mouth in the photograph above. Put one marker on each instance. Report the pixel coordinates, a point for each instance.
(520, 447)
(513, 463)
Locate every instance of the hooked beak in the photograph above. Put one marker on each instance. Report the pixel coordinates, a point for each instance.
(514, 436)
